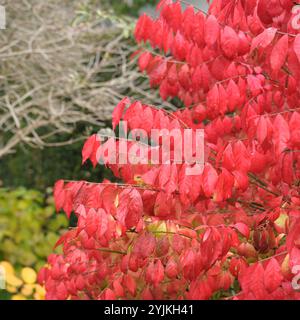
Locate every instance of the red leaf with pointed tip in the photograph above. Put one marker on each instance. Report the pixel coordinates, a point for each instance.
(147, 294)
(209, 180)
(130, 208)
(279, 53)
(213, 98)
(118, 111)
(150, 176)
(103, 226)
(212, 30)
(118, 289)
(90, 149)
(252, 281)
(262, 130)
(263, 39)
(143, 61)
(229, 42)
(130, 284)
(171, 269)
(164, 175)
(59, 194)
(281, 134)
(108, 294)
(272, 275)
(243, 229)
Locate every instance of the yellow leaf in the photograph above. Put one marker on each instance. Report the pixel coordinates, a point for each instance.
(116, 202)
(138, 180)
(281, 220)
(38, 296)
(13, 280)
(28, 275)
(11, 289)
(27, 290)
(18, 297)
(40, 290)
(285, 266)
(9, 269)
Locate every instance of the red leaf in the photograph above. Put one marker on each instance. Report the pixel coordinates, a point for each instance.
(212, 30)
(146, 294)
(224, 186)
(147, 119)
(242, 180)
(213, 98)
(263, 39)
(118, 289)
(229, 42)
(65, 238)
(281, 134)
(254, 85)
(158, 273)
(279, 53)
(131, 207)
(158, 73)
(108, 294)
(297, 46)
(90, 149)
(118, 111)
(59, 194)
(130, 284)
(262, 130)
(171, 269)
(234, 95)
(243, 229)
(144, 59)
(272, 275)
(209, 180)
(103, 227)
(61, 291)
(164, 175)
(252, 282)
(150, 176)
(163, 3)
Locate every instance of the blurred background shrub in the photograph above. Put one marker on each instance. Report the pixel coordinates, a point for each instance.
(29, 229)
(29, 226)
(21, 284)
(130, 7)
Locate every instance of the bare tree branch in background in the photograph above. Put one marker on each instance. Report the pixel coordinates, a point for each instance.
(56, 72)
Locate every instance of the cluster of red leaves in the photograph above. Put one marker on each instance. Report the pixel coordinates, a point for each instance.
(232, 232)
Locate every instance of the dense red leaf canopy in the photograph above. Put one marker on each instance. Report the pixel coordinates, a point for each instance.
(232, 232)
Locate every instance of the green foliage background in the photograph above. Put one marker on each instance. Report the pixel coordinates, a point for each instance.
(29, 226)
(41, 168)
